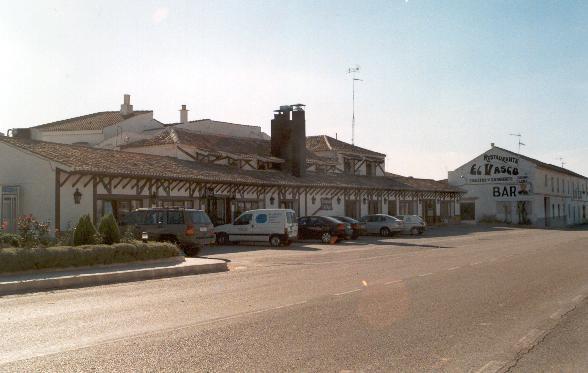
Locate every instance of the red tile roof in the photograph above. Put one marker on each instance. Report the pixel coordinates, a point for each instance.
(243, 147)
(121, 163)
(326, 143)
(89, 122)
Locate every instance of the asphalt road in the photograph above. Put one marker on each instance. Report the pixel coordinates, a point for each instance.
(459, 299)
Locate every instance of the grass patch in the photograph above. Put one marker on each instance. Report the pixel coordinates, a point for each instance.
(22, 259)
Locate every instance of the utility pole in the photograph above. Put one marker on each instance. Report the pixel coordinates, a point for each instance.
(353, 71)
(520, 143)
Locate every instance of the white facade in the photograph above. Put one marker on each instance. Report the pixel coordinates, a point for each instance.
(504, 186)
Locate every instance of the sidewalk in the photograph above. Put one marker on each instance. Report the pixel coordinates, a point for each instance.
(93, 276)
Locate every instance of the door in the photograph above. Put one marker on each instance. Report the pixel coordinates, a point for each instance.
(242, 228)
(373, 224)
(314, 227)
(261, 227)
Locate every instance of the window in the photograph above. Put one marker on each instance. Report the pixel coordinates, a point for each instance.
(290, 217)
(349, 166)
(552, 185)
(243, 219)
(155, 217)
(467, 211)
(557, 180)
(199, 217)
(545, 179)
(133, 218)
(370, 168)
(175, 217)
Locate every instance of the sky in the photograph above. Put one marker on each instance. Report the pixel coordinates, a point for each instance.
(441, 80)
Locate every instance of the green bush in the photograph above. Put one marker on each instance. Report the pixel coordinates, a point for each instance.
(21, 259)
(85, 233)
(9, 240)
(128, 235)
(108, 230)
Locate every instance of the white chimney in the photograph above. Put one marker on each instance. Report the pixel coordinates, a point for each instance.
(126, 108)
(184, 114)
(492, 144)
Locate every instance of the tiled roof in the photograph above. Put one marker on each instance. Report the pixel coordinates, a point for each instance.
(326, 143)
(543, 164)
(89, 122)
(121, 163)
(243, 147)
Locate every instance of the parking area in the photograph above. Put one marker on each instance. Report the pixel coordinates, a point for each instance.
(442, 237)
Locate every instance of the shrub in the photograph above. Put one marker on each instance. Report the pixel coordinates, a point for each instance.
(32, 232)
(9, 239)
(85, 233)
(128, 236)
(19, 259)
(108, 230)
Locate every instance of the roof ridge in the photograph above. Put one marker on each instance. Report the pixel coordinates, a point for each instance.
(327, 141)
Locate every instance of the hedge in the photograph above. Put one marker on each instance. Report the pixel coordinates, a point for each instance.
(22, 259)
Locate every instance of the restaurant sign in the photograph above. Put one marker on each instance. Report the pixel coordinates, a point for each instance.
(494, 168)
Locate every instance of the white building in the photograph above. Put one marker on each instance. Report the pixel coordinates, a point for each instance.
(105, 129)
(225, 175)
(508, 187)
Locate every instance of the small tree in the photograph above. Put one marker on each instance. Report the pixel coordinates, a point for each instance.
(85, 233)
(109, 231)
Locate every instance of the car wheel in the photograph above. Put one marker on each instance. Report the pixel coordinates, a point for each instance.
(222, 239)
(275, 241)
(414, 231)
(326, 237)
(385, 232)
(191, 250)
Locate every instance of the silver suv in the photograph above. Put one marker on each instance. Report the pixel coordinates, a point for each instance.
(382, 224)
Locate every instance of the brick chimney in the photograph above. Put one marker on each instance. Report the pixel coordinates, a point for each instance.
(288, 138)
(126, 108)
(184, 114)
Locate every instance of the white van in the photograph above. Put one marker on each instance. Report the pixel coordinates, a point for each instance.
(276, 226)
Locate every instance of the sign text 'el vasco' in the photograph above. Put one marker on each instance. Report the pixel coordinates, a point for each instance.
(510, 166)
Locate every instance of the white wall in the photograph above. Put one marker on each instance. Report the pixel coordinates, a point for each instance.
(68, 137)
(224, 128)
(36, 177)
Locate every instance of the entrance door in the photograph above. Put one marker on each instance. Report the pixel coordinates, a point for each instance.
(351, 208)
(429, 210)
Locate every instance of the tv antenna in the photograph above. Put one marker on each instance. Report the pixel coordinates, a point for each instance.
(561, 159)
(353, 71)
(519, 142)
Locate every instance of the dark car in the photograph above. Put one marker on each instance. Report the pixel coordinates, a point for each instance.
(323, 228)
(358, 228)
(190, 229)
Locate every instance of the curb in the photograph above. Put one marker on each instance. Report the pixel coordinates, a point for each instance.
(87, 280)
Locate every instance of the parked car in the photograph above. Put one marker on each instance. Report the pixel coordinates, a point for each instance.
(357, 227)
(413, 224)
(190, 229)
(323, 228)
(273, 226)
(382, 224)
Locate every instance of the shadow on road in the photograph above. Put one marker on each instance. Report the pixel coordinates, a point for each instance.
(216, 250)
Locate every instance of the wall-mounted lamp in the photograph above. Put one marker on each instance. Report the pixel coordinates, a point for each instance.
(338, 200)
(77, 196)
(272, 200)
(364, 200)
(313, 200)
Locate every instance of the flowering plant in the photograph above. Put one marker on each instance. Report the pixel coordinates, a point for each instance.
(31, 231)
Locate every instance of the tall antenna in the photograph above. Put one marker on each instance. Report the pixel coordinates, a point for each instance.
(519, 136)
(353, 71)
(562, 161)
